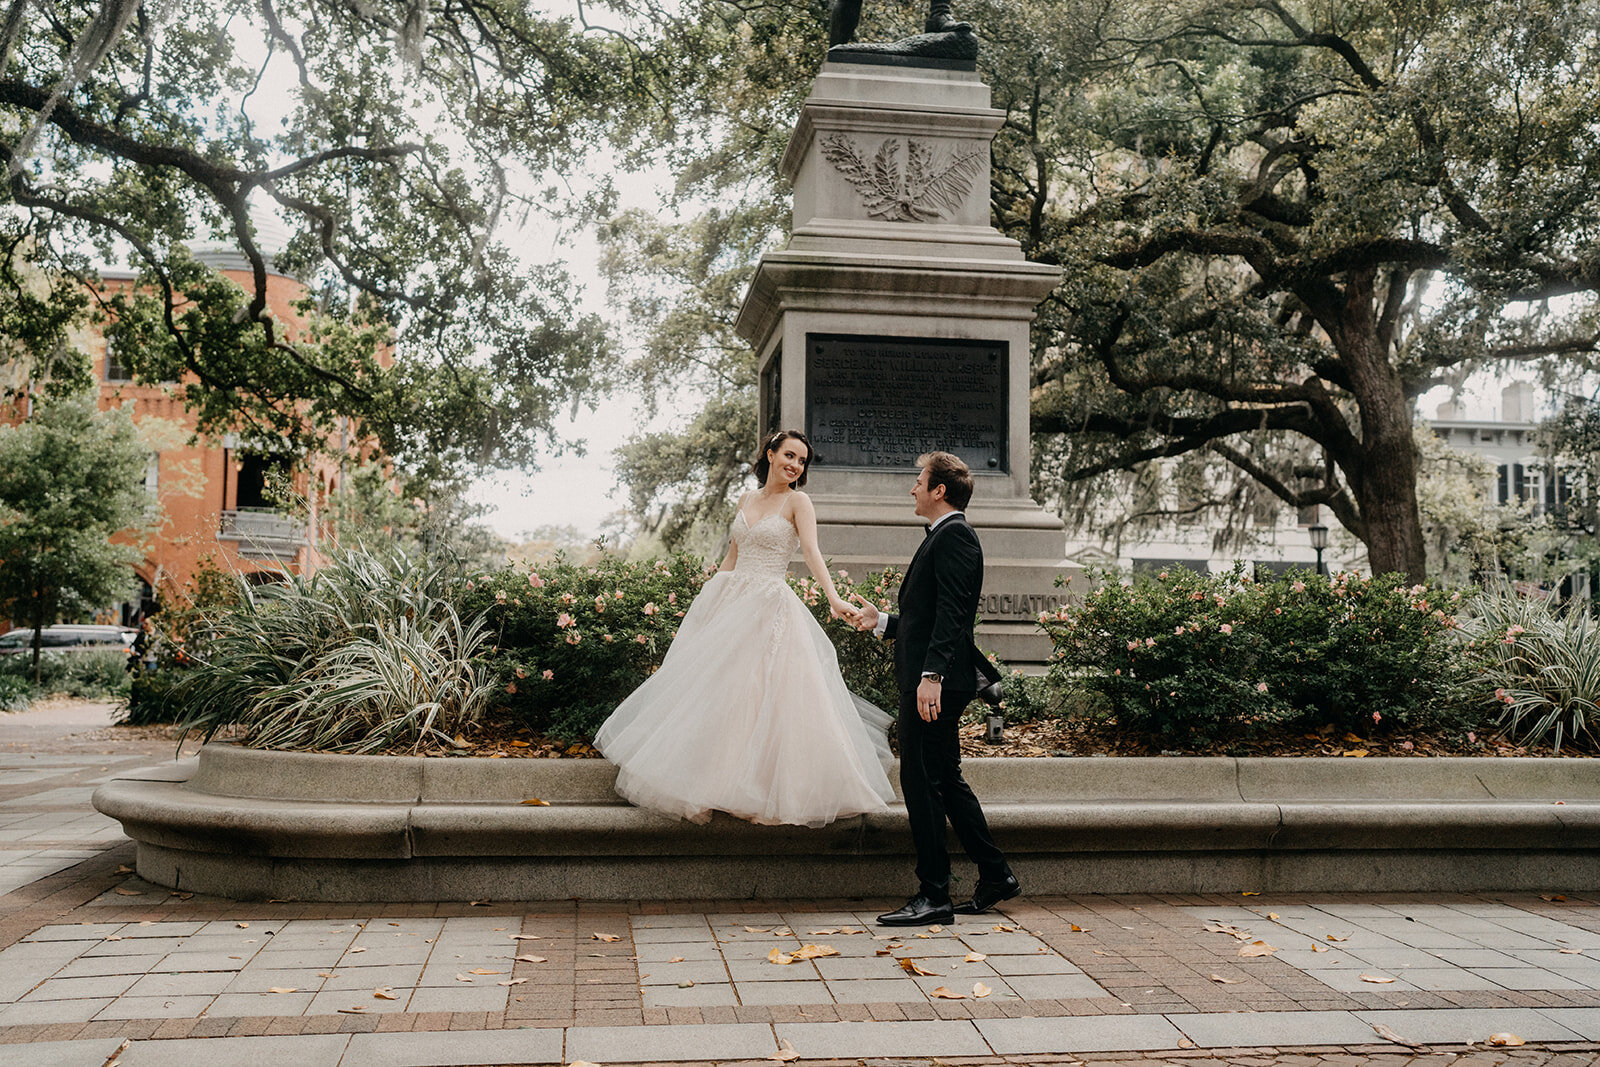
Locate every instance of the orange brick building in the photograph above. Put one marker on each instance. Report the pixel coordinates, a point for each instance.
(211, 493)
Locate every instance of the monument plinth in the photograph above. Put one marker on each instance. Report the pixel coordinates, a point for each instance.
(895, 323)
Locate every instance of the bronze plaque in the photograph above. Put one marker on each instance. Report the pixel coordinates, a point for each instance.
(877, 403)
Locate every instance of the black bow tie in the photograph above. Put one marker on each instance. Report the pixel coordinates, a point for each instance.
(926, 530)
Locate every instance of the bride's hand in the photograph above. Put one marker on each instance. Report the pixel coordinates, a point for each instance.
(866, 618)
(840, 610)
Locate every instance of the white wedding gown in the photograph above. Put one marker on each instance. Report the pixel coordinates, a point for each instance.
(748, 713)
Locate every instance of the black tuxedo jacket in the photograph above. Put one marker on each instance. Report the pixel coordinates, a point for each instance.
(938, 604)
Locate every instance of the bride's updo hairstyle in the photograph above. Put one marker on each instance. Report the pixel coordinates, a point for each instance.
(762, 465)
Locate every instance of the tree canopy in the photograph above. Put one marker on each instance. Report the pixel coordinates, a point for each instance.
(401, 142)
(71, 478)
(1281, 222)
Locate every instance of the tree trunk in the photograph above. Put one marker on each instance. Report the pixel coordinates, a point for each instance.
(1386, 489)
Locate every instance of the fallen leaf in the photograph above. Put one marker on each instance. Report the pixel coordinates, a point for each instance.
(351, 1011)
(1376, 979)
(811, 952)
(820, 933)
(358, 948)
(1078, 929)
(686, 984)
(783, 931)
(779, 957)
(1355, 753)
(180, 896)
(242, 926)
(512, 981)
(123, 868)
(1002, 928)
(1389, 1035)
(536, 802)
(758, 929)
(124, 891)
(911, 966)
(785, 1053)
(1319, 948)
(883, 952)
(1184, 1042)
(1256, 948)
(484, 970)
(1272, 915)
(1338, 937)
(113, 937)
(979, 991)
(1247, 893)
(604, 937)
(935, 929)
(526, 937)
(1554, 898)
(1506, 1038)
(462, 978)
(384, 992)
(1570, 951)
(975, 957)
(676, 959)
(327, 974)
(282, 989)
(1224, 981)
(1229, 929)
(582, 1063)
(944, 993)
(477, 903)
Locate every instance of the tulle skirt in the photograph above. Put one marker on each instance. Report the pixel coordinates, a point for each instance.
(749, 714)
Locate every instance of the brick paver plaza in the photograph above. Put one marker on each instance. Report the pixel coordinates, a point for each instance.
(96, 965)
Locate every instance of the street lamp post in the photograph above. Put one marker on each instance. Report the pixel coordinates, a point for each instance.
(1319, 541)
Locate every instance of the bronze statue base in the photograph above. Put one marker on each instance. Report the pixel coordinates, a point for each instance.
(942, 46)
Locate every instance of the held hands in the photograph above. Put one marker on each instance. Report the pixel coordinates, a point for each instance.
(840, 610)
(865, 618)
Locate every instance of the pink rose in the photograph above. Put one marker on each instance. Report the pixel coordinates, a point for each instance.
(1226, 628)
(650, 608)
(564, 620)
(536, 581)
(548, 674)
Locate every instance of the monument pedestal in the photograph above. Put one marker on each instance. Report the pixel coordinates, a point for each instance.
(896, 323)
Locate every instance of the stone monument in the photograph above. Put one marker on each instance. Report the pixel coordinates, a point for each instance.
(895, 323)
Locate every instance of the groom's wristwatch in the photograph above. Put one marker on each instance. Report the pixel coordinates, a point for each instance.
(930, 676)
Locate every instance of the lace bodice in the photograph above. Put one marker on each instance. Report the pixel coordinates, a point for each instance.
(765, 547)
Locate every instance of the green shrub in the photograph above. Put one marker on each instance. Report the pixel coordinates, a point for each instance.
(88, 675)
(1200, 658)
(572, 640)
(1542, 663)
(369, 653)
(15, 693)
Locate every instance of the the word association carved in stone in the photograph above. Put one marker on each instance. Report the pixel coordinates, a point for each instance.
(915, 189)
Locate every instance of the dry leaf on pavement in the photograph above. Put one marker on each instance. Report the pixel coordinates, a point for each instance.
(945, 993)
(1376, 979)
(1318, 948)
(1389, 1035)
(676, 959)
(1570, 951)
(1256, 948)
(936, 929)
(536, 802)
(383, 992)
(526, 937)
(484, 970)
(282, 989)
(1225, 981)
(780, 957)
(1002, 928)
(975, 957)
(1506, 1038)
(124, 891)
(911, 966)
(1338, 937)
(811, 952)
(785, 1053)
(531, 959)
(1078, 929)
(604, 937)
(979, 991)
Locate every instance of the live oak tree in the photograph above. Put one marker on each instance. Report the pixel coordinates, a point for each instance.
(401, 142)
(1280, 222)
(71, 479)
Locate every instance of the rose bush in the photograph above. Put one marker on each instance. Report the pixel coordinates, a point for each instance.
(1200, 658)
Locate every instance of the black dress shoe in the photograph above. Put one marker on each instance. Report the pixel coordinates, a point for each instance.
(918, 911)
(946, 24)
(986, 895)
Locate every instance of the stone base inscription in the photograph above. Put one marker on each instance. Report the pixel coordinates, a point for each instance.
(877, 403)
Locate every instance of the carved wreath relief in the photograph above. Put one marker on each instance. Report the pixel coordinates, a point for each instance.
(918, 191)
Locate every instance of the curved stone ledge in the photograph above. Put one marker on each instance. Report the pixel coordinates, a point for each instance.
(249, 823)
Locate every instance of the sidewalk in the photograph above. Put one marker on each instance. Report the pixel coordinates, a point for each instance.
(97, 965)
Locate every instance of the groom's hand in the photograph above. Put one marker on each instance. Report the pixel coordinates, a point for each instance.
(928, 694)
(866, 619)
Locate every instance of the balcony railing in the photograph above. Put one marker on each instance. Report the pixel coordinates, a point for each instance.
(263, 533)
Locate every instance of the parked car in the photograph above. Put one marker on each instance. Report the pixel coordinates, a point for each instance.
(68, 638)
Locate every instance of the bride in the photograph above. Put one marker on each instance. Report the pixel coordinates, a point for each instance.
(748, 713)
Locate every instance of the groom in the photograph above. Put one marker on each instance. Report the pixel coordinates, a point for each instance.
(936, 666)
